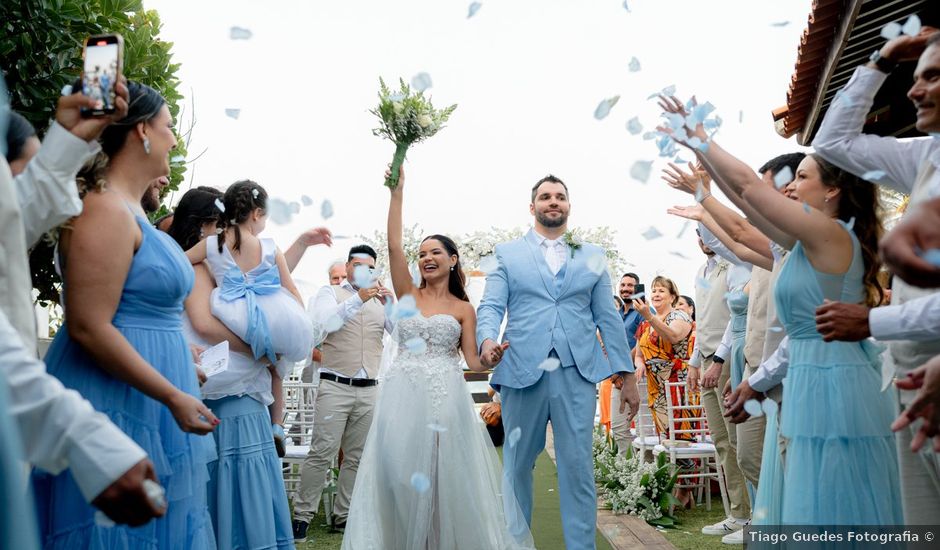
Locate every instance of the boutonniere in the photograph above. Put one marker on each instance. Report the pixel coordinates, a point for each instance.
(572, 241)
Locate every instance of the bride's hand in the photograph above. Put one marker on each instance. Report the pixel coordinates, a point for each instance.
(694, 212)
(687, 182)
(401, 179)
(673, 105)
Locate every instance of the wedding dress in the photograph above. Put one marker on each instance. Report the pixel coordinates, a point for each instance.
(429, 477)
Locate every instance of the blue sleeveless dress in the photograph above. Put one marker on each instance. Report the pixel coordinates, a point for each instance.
(737, 304)
(840, 465)
(149, 316)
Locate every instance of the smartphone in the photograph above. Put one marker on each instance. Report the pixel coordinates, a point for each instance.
(641, 290)
(103, 64)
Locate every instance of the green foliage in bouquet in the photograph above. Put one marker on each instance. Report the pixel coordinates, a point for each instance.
(406, 118)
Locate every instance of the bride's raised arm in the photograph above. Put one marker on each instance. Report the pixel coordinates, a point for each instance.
(398, 264)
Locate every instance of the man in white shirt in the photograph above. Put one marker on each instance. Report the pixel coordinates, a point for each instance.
(352, 317)
(58, 429)
(911, 166)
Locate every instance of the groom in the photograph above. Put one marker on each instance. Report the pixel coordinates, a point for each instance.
(555, 304)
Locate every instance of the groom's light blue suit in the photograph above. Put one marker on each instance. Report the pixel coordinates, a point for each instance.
(552, 316)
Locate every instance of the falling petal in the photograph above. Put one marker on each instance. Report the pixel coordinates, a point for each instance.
(703, 283)
(741, 117)
(703, 146)
(220, 205)
(769, 406)
(753, 408)
(294, 207)
(473, 9)
(780, 24)
(489, 263)
(685, 227)
(513, 437)
(669, 90)
(873, 175)
(641, 169)
(279, 211)
(783, 177)
(651, 233)
(634, 65)
(679, 254)
(850, 224)
(634, 126)
(891, 30)
(911, 26)
(932, 256)
(362, 276)
(307, 201)
(806, 207)
(238, 33)
(420, 482)
(416, 345)
(548, 365)
(604, 107)
(775, 329)
(326, 209)
(334, 323)
(694, 142)
(437, 428)
(233, 113)
(176, 159)
(625, 6)
(421, 81)
(597, 264)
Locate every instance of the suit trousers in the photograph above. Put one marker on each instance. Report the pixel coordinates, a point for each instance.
(920, 479)
(750, 442)
(721, 431)
(619, 426)
(342, 418)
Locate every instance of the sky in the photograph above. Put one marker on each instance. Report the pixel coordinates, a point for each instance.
(527, 76)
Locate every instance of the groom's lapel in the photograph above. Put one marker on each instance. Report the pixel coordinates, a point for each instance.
(569, 268)
(531, 243)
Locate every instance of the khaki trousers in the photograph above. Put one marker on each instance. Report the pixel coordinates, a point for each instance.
(619, 426)
(920, 478)
(721, 431)
(750, 442)
(342, 418)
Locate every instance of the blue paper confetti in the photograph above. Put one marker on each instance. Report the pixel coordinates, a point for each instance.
(597, 264)
(753, 408)
(416, 345)
(783, 177)
(634, 126)
(806, 207)
(932, 256)
(421, 81)
(873, 175)
(326, 209)
(473, 9)
(220, 205)
(406, 308)
(437, 428)
(911, 26)
(685, 227)
(239, 33)
(362, 276)
(641, 169)
(634, 65)
(891, 30)
(850, 224)
(651, 233)
(233, 113)
(279, 212)
(780, 24)
(420, 482)
(307, 201)
(703, 283)
(769, 406)
(626, 6)
(604, 107)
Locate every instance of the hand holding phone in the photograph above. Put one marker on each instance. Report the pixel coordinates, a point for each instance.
(103, 67)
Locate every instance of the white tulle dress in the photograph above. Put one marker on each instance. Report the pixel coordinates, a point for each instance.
(429, 477)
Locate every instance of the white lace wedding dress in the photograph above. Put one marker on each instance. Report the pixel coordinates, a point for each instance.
(429, 477)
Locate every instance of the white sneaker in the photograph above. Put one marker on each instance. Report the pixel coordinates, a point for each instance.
(724, 527)
(734, 538)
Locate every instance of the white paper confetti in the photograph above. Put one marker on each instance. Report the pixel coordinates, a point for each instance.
(685, 227)
(783, 177)
(307, 201)
(548, 365)
(604, 107)
(769, 406)
(473, 9)
(239, 33)
(641, 169)
(634, 65)
(911, 26)
(437, 428)
(651, 233)
(220, 205)
(753, 408)
(513, 437)
(634, 126)
(891, 30)
(420, 482)
(873, 175)
(421, 81)
(233, 113)
(416, 345)
(326, 209)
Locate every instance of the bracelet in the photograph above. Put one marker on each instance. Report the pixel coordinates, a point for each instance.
(703, 197)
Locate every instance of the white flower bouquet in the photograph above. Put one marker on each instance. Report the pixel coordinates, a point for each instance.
(406, 118)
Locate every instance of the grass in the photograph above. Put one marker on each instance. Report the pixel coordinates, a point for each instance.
(320, 537)
(688, 534)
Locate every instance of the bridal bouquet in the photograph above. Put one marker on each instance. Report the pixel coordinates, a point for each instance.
(406, 118)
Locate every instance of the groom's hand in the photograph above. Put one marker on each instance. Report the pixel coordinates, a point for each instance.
(629, 395)
(491, 353)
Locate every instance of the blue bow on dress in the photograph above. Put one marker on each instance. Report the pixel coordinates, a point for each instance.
(235, 285)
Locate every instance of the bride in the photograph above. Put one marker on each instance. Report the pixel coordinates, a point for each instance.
(429, 477)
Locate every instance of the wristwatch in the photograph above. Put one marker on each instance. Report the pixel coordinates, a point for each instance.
(719, 360)
(883, 63)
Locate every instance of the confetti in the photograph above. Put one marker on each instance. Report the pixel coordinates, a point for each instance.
(421, 81)
(873, 175)
(326, 209)
(233, 113)
(437, 428)
(651, 233)
(362, 276)
(279, 211)
(780, 24)
(294, 207)
(416, 345)
(641, 169)
(932, 256)
(513, 437)
(489, 263)
(769, 406)
(775, 329)
(783, 177)
(753, 408)
(176, 159)
(334, 323)
(405, 308)
(548, 365)
(416, 275)
(473, 9)
(597, 264)
(685, 227)
(741, 117)
(307, 201)
(700, 191)
(625, 6)
(891, 30)
(604, 107)
(806, 207)
(850, 224)
(238, 33)
(911, 26)
(637, 296)
(634, 65)
(650, 135)
(420, 482)
(679, 254)
(844, 99)
(703, 283)
(669, 90)
(634, 126)
(328, 417)
(220, 205)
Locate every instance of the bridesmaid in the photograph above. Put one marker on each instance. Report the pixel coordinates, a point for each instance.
(122, 345)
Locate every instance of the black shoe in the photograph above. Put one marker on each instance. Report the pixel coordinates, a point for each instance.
(300, 530)
(339, 527)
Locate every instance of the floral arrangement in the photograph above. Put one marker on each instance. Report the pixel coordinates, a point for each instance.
(629, 485)
(406, 118)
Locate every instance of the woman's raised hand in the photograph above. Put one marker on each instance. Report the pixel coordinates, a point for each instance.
(687, 182)
(401, 179)
(674, 106)
(694, 212)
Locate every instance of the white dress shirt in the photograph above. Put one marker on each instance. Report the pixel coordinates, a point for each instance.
(324, 306)
(772, 371)
(555, 252)
(915, 320)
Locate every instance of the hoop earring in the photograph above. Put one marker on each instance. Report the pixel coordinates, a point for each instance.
(147, 145)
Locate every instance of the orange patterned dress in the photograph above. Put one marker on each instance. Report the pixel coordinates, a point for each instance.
(666, 362)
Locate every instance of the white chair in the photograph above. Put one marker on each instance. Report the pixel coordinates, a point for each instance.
(645, 437)
(299, 399)
(678, 446)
